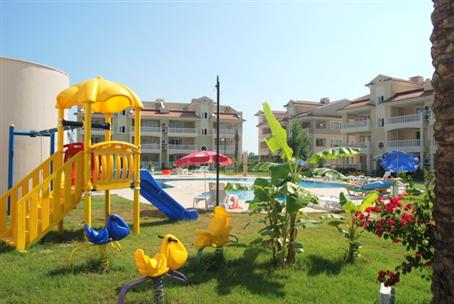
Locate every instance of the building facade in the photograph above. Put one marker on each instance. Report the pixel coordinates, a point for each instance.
(321, 120)
(171, 130)
(395, 115)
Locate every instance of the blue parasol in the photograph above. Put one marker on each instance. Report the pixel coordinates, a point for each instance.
(397, 161)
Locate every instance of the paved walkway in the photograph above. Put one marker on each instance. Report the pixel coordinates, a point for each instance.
(184, 191)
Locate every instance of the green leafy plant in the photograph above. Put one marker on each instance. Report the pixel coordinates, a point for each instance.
(348, 225)
(282, 198)
(238, 187)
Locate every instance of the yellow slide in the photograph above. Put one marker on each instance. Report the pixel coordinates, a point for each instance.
(41, 200)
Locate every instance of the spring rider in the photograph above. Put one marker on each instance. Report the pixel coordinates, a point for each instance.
(217, 234)
(115, 230)
(171, 256)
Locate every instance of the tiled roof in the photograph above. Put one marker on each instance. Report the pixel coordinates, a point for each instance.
(409, 94)
(227, 116)
(357, 104)
(305, 102)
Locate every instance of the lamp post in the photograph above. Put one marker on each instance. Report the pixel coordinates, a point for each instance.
(218, 87)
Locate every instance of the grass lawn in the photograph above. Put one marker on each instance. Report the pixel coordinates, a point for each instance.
(320, 276)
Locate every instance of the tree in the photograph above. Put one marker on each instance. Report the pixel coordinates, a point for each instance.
(443, 82)
(299, 140)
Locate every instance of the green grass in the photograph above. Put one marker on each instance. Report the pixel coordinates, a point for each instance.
(320, 276)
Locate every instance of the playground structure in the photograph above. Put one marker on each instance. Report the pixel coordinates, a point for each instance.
(42, 198)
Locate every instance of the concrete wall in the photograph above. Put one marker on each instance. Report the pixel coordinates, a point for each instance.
(27, 99)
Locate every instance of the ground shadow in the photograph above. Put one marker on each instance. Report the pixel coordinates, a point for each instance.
(317, 265)
(92, 265)
(4, 248)
(67, 236)
(244, 272)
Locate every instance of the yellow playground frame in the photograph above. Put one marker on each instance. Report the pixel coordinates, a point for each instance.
(42, 199)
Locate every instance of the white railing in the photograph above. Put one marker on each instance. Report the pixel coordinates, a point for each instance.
(356, 124)
(403, 119)
(404, 143)
(151, 129)
(182, 147)
(183, 130)
(225, 131)
(150, 147)
(358, 145)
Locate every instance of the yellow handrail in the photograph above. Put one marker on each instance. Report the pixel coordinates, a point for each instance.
(46, 205)
(24, 186)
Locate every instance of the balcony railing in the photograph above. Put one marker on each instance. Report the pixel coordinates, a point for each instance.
(225, 131)
(358, 145)
(356, 126)
(182, 147)
(405, 143)
(150, 147)
(155, 129)
(189, 131)
(404, 119)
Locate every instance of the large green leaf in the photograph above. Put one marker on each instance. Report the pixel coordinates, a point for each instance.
(369, 201)
(278, 139)
(330, 173)
(279, 174)
(333, 153)
(298, 198)
(350, 207)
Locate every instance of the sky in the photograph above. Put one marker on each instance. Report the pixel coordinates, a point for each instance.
(262, 50)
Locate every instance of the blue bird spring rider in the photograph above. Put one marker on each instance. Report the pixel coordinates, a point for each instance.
(115, 230)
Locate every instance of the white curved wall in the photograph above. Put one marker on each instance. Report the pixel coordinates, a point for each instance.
(27, 100)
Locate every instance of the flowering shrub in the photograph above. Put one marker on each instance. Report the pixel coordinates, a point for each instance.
(406, 220)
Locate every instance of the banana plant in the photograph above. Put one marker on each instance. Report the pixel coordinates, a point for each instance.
(347, 225)
(282, 197)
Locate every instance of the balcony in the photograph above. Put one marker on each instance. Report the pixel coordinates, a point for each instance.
(405, 145)
(151, 148)
(181, 148)
(356, 126)
(225, 132)
(364, 146)
(151, 129)
(187, 132)
(404, 121)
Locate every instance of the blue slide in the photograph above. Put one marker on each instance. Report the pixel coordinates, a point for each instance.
(151, 190)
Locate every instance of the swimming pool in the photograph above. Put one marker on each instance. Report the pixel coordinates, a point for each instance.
(163, 182)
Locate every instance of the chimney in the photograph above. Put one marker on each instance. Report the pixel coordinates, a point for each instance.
(418, 79)
(428, 85)
(324, 101)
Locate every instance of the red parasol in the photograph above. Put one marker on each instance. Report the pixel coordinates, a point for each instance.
(204, 157)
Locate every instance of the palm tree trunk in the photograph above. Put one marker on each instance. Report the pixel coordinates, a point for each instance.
(443, 82)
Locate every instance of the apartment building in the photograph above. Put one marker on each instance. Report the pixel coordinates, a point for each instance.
(321, 120)
(171, 130)
(395, 115)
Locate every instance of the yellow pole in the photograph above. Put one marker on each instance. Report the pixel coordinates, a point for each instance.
(87, 163)
(107, 201)
(136, 215)
(60, 139)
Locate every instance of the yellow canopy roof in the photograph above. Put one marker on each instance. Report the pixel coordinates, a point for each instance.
(106, 96)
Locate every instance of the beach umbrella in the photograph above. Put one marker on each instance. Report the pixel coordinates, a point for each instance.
(397, 161)
(204, 157)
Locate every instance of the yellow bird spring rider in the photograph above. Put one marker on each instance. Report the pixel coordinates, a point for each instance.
(217, 234)
(171, 256)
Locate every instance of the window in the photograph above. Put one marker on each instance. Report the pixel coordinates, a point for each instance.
(320, 142)
(380, 99)
(123, 113)
(336, 142)
(380, 123)
(336, 125)
(175, 141)
(204, 131)
(121, 129)
(320, 124)
(205, 115)
(418, 135)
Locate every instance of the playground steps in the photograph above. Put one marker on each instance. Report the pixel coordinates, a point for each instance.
(42, 206)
